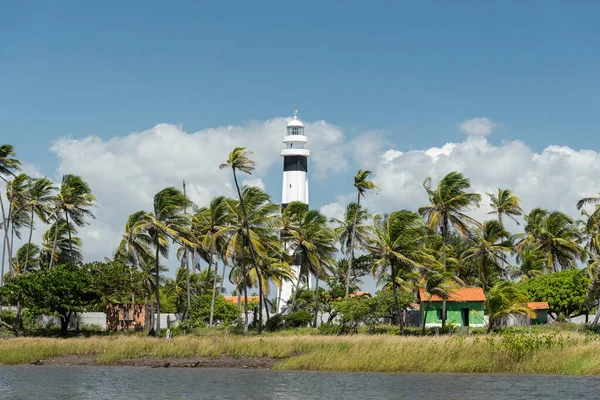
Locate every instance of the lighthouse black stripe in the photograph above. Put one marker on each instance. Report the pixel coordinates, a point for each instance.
(295, 163)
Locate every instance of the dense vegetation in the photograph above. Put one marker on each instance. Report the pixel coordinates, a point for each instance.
(249, 241)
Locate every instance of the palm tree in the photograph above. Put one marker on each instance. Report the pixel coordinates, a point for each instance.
(251, 230)
(8, 164)
(73, 201)
(16, 193)
(27, 258)
(556, 236)
(489, 252)
(504, 299)
(238, 160)
(398, 244)
(449, 202)
(505, 203)
(135, 247)
(594, 217)
(38, 203)
(436, 282)
(207, 222)
(168, 223)
(362, 185)
(59, 246)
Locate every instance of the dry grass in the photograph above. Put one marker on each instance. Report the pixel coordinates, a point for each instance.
(577, 354)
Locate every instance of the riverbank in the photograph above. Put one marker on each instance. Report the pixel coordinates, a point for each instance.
(570, 353)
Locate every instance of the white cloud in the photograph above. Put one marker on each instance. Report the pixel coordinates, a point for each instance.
(125, 172)
(477, 126)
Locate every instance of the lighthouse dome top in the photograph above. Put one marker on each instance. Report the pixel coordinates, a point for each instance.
(295, 126)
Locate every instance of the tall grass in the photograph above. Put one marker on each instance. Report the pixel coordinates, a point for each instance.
(556, 354)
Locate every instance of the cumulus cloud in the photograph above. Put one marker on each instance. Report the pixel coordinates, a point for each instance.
(477, 126)
(125, 172)
(555, 178)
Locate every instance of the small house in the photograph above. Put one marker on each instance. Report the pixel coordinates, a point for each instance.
(464, 307)
(540, 308)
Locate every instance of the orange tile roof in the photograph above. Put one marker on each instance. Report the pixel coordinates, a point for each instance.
(359, 294)
(462, 294)
(538, 305)
(234, 299)
(415, 306)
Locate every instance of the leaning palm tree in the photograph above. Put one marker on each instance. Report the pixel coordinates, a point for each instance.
(238, 160)
(167, 223)
(398, 245)
(595, 216)
(505, 203)
(16, 193)
(73, 202)
(39, 200)
(491, 246)
(8, 164)
(504, 299)
(27, 258)
(362, 185)
(449, 202)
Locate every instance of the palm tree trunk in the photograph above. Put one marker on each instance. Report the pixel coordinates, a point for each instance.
(6, 244)
(425, 317)
(212, 301)
(352, 236)
(444, 234)
(266, 302)
(396, 302)
(10, 249)
(69, 232)
(296, 289)
(222, 278)
(316, 299)
(29, 241)
(54, 242)
(157, 290)
(208, 275)
(260, 296)
(243, 263)
(596, 318)
(187, 283)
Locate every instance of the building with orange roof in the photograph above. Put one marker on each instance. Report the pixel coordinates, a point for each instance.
(541, 312)
(464, 307)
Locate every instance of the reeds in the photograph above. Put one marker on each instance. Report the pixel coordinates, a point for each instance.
(576, 354)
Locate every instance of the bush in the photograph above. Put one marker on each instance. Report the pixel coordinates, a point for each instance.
(275, 323)
(330, 329)
(298, 319)
(224, 313)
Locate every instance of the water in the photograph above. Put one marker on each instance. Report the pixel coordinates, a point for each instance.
(59, 382)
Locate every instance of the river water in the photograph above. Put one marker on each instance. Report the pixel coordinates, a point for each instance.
(61, 382)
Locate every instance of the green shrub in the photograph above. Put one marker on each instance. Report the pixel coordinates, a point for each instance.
(224, 313)
(298, 319)
(330, 329)
(275, 323)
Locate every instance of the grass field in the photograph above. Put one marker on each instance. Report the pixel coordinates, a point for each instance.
(562, 353)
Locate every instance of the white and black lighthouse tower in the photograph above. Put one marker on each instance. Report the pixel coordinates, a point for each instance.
(295, 155)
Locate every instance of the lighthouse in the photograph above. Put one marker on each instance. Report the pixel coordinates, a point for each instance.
(295, 155)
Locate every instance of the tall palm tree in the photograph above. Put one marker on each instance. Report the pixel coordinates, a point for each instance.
(505, 203)
(16, 193)
(73, 202)
(252, 230)
(556, 236)
(135, 247)
(362, 185)
(59, 245)
(398, 245)
(449, 202)
(39, 200)
(489, 252)
(207, 222)
(595, 216)
(8, 164)
(239, 160)
(168, 223)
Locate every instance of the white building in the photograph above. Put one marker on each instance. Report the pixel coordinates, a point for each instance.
(295, 155)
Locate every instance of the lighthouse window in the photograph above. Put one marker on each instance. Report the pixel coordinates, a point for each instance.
(295, 163)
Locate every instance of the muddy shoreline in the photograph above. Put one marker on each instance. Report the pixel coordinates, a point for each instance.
(168, 362)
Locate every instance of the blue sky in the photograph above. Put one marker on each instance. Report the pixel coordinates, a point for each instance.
(411, 71)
